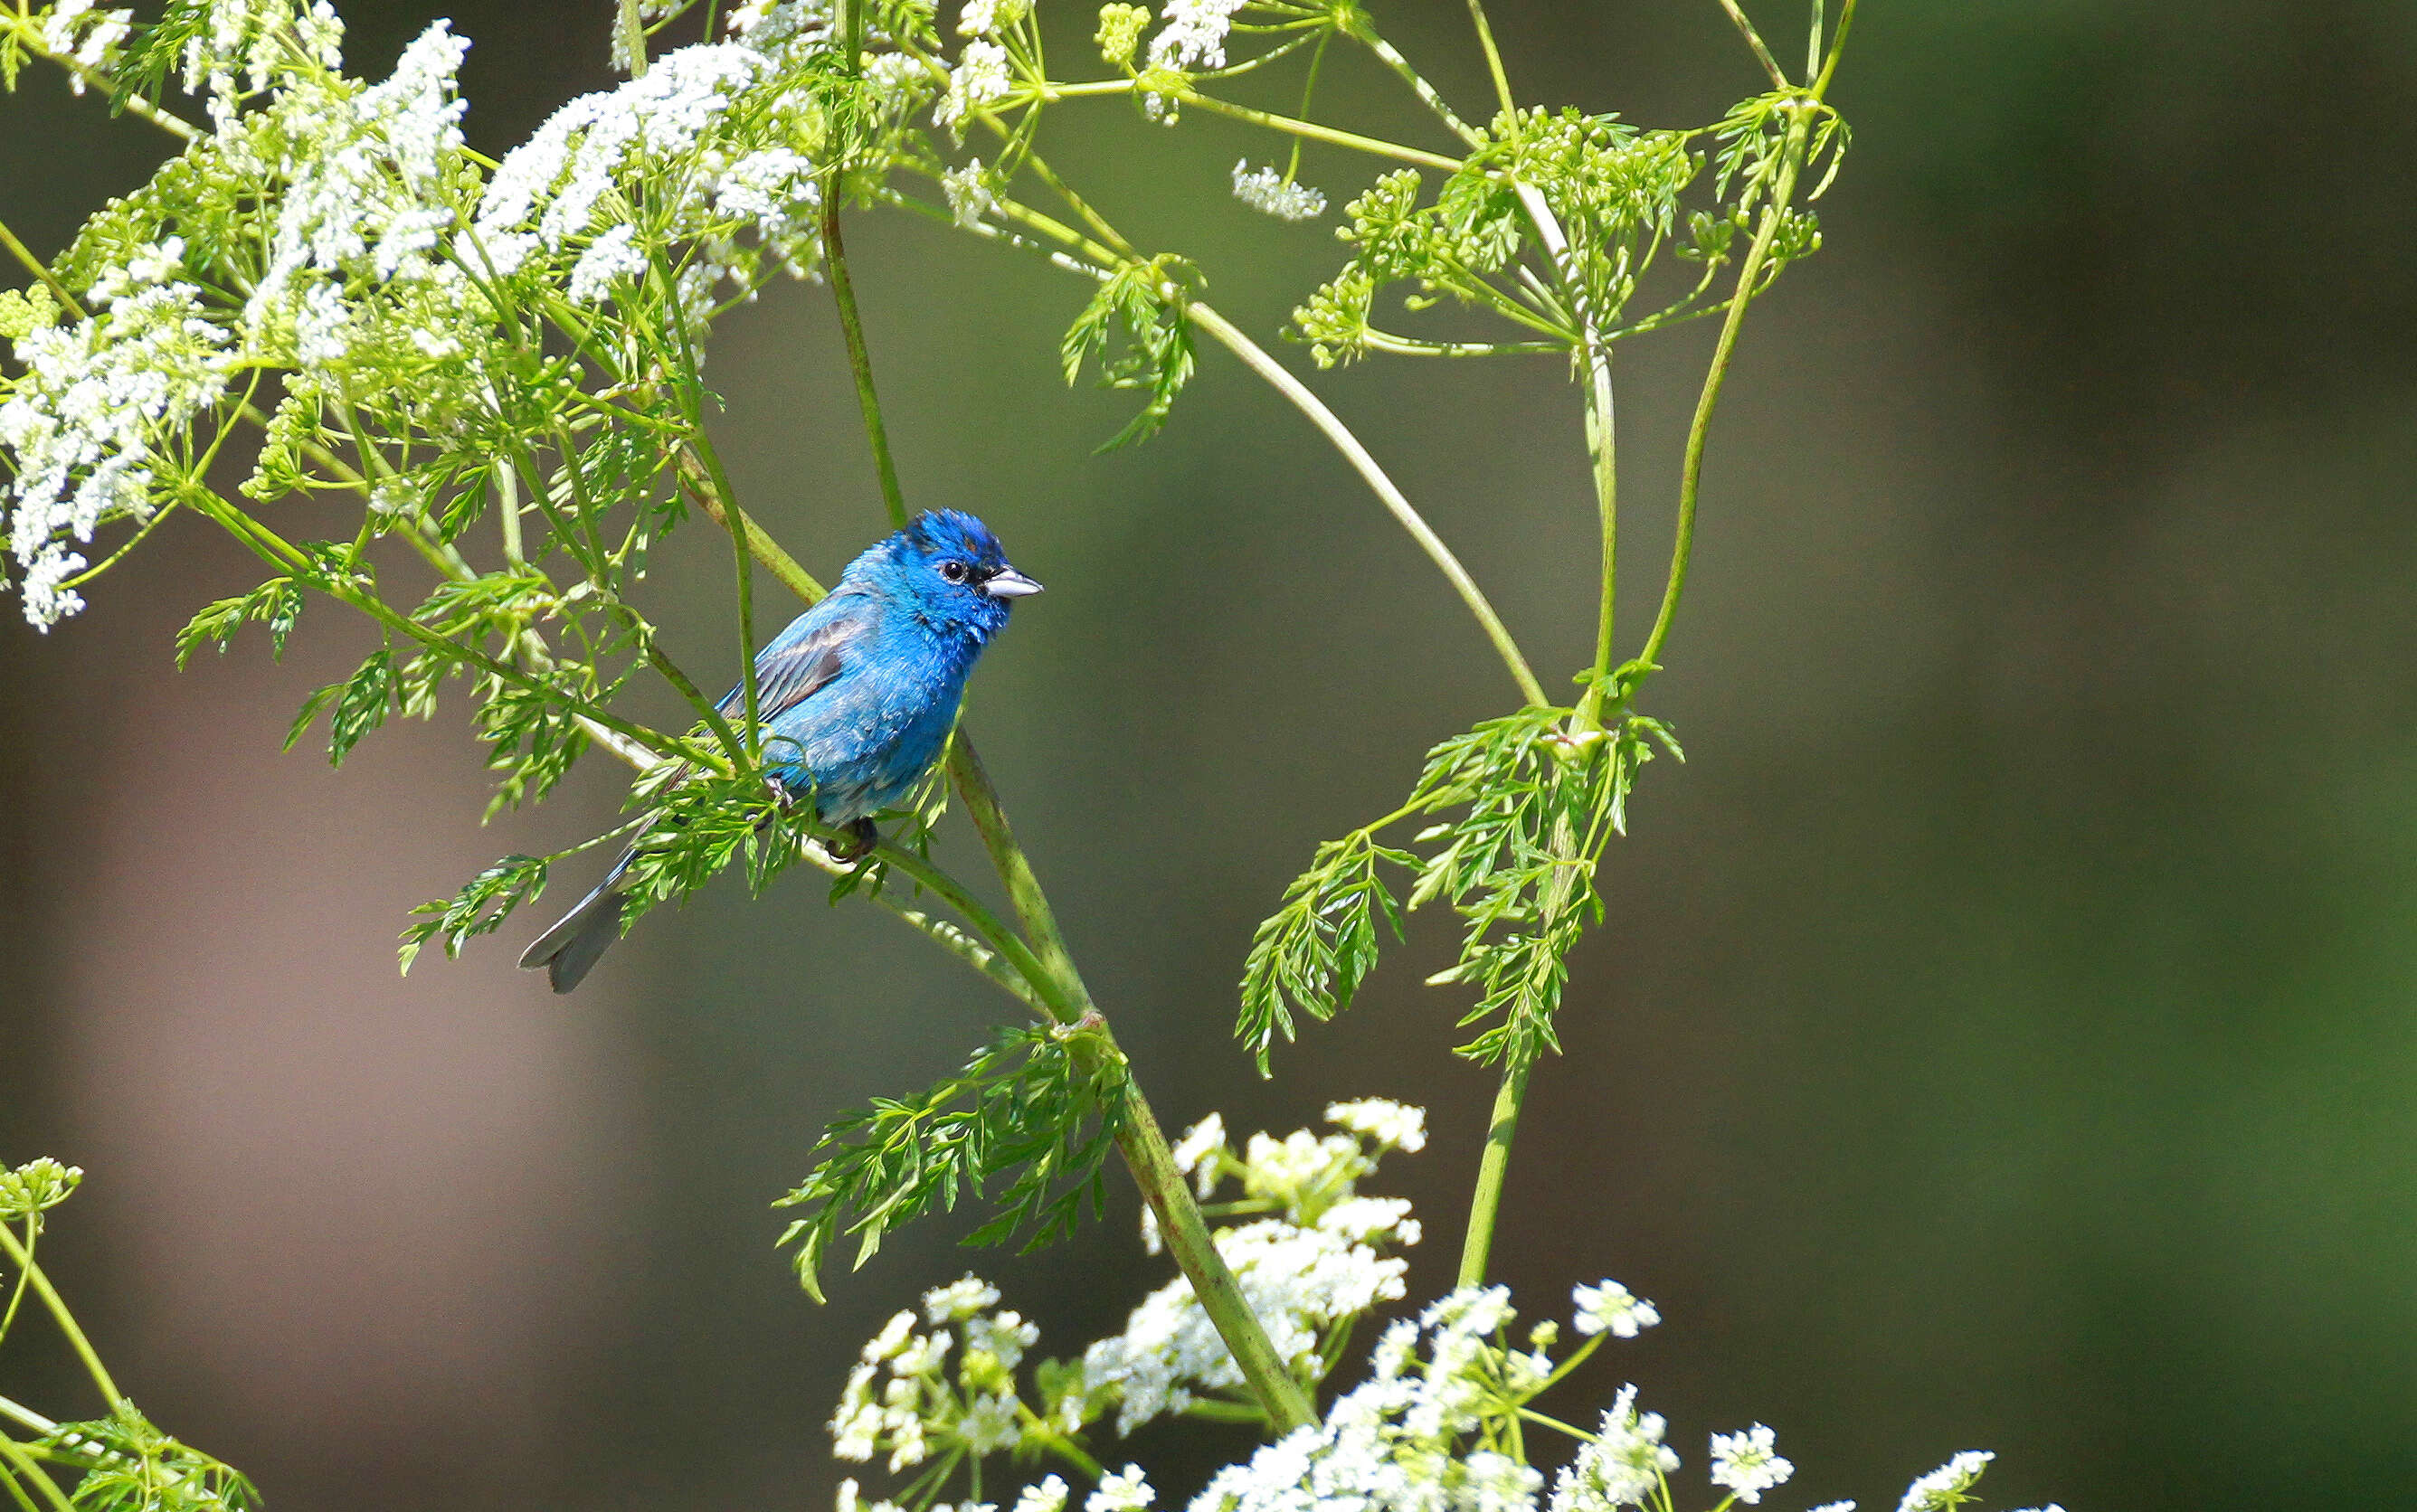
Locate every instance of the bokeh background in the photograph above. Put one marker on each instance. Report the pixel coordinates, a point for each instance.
(2003, 1033)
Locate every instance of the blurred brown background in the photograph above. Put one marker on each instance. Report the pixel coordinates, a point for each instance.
(2003, 1037)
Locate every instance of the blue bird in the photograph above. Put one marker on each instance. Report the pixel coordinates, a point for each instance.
(854, 699)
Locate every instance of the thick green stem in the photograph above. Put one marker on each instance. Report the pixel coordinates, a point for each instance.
(1293, 389)
(18, 1257)
(25, 1468)
(1144, 1145)
(1478, 1243)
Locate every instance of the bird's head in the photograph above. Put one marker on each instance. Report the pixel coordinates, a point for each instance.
(952, 568)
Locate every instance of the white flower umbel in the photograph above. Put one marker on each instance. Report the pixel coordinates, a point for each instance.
(1194, 34)
(1945, 1488)
(979, 78)
(1393, 1126)
(960, 1299)
(93, 39)
(988, 18)
(1048, 1494)
(1748, 1463)
(969, 192)
(1623, 1466)
(1611, 1307)
(1269, 192)
(1126, 1490)
(81, 422)
(1200, 1152)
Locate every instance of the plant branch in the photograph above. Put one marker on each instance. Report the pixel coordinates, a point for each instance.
(1315, 132)
(1753, 41)
(19, 1257)
(1492, 56)
(1293, 389)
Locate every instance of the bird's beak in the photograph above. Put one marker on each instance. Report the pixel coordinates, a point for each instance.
(1009, 583)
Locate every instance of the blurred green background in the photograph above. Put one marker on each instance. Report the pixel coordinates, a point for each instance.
(2001, 1035)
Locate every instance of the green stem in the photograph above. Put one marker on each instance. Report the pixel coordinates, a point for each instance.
(1692, 470)
(1292, 389)
(1492, 56)
(860, 359)
(1486, 1205)
(41, 270)
(1753, 41)
(28, 1470)
(58, 1309)
(1391, 58)
(1315, 132)
(1601, 435)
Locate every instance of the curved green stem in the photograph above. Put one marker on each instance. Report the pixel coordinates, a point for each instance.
(25, 1467)
(1293, 389)
(1692, 470)
(19, 1257)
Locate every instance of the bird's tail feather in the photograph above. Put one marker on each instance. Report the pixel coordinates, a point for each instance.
(571, 948)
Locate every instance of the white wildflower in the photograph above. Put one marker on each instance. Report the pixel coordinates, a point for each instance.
(1269, 192)
(979, 78)
(1045, 1495)
(92, 37)
(1371, 1220)
(1748, 1463)
(1622, 1467)
(988, 18)
(892, 1337)
(1612, 1308)
(96, 397)
(1835, 1507)
(989, 1424)
(1945, 1488)
(1195, 1154)
(1124, 1491)
(1004, 1338)
(1194, 34)
(1302, 1168)
(1393, 1126)
(960, 1299)
(969, 195)
(612, 256)
(922, 1353)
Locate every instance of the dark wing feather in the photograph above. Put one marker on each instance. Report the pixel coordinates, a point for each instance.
(801, 659)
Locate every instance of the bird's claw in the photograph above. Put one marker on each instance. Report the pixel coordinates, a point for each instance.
(861, 840)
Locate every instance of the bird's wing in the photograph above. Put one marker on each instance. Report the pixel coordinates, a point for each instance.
(803, 657)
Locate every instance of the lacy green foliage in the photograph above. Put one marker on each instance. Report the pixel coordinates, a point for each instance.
(1528, 808)
(131, 1466)
(119, 1463)
(1033, 1108)
(479, 908)
(1138, 303)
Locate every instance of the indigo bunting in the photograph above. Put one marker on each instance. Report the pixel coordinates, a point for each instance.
(854, 699)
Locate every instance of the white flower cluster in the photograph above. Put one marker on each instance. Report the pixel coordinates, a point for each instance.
(1269, 192)
(244, 47)
(1611, 1307)
(93, 39)
(559, 195)
(95, 397)
(979, 78)
(1748, 1463)
(1194, 34)
(903, 1398)
(1315, 1263)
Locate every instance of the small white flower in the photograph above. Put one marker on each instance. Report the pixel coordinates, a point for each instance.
(1269, 192)
(969, 196)
(613, 255)
(1048, 1495)
(922, 1353)
(891, 1339)
(1611, 1307)
(1835, 1507)
(1393, 1125)
(1748, 1463)
(1622, 1466)
(979, 78)
(1124, 1491)
(1004, 1338)
(989, 1424)
(1194, 36)
(988, 18)
(960, 1300)
(1195, 1152)
(1944, 1487)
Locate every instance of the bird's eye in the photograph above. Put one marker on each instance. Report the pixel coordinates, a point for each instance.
(953, 571)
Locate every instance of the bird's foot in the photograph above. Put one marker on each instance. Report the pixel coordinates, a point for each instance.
(862, 838)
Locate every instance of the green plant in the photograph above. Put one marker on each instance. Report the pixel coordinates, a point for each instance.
(496, 364)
